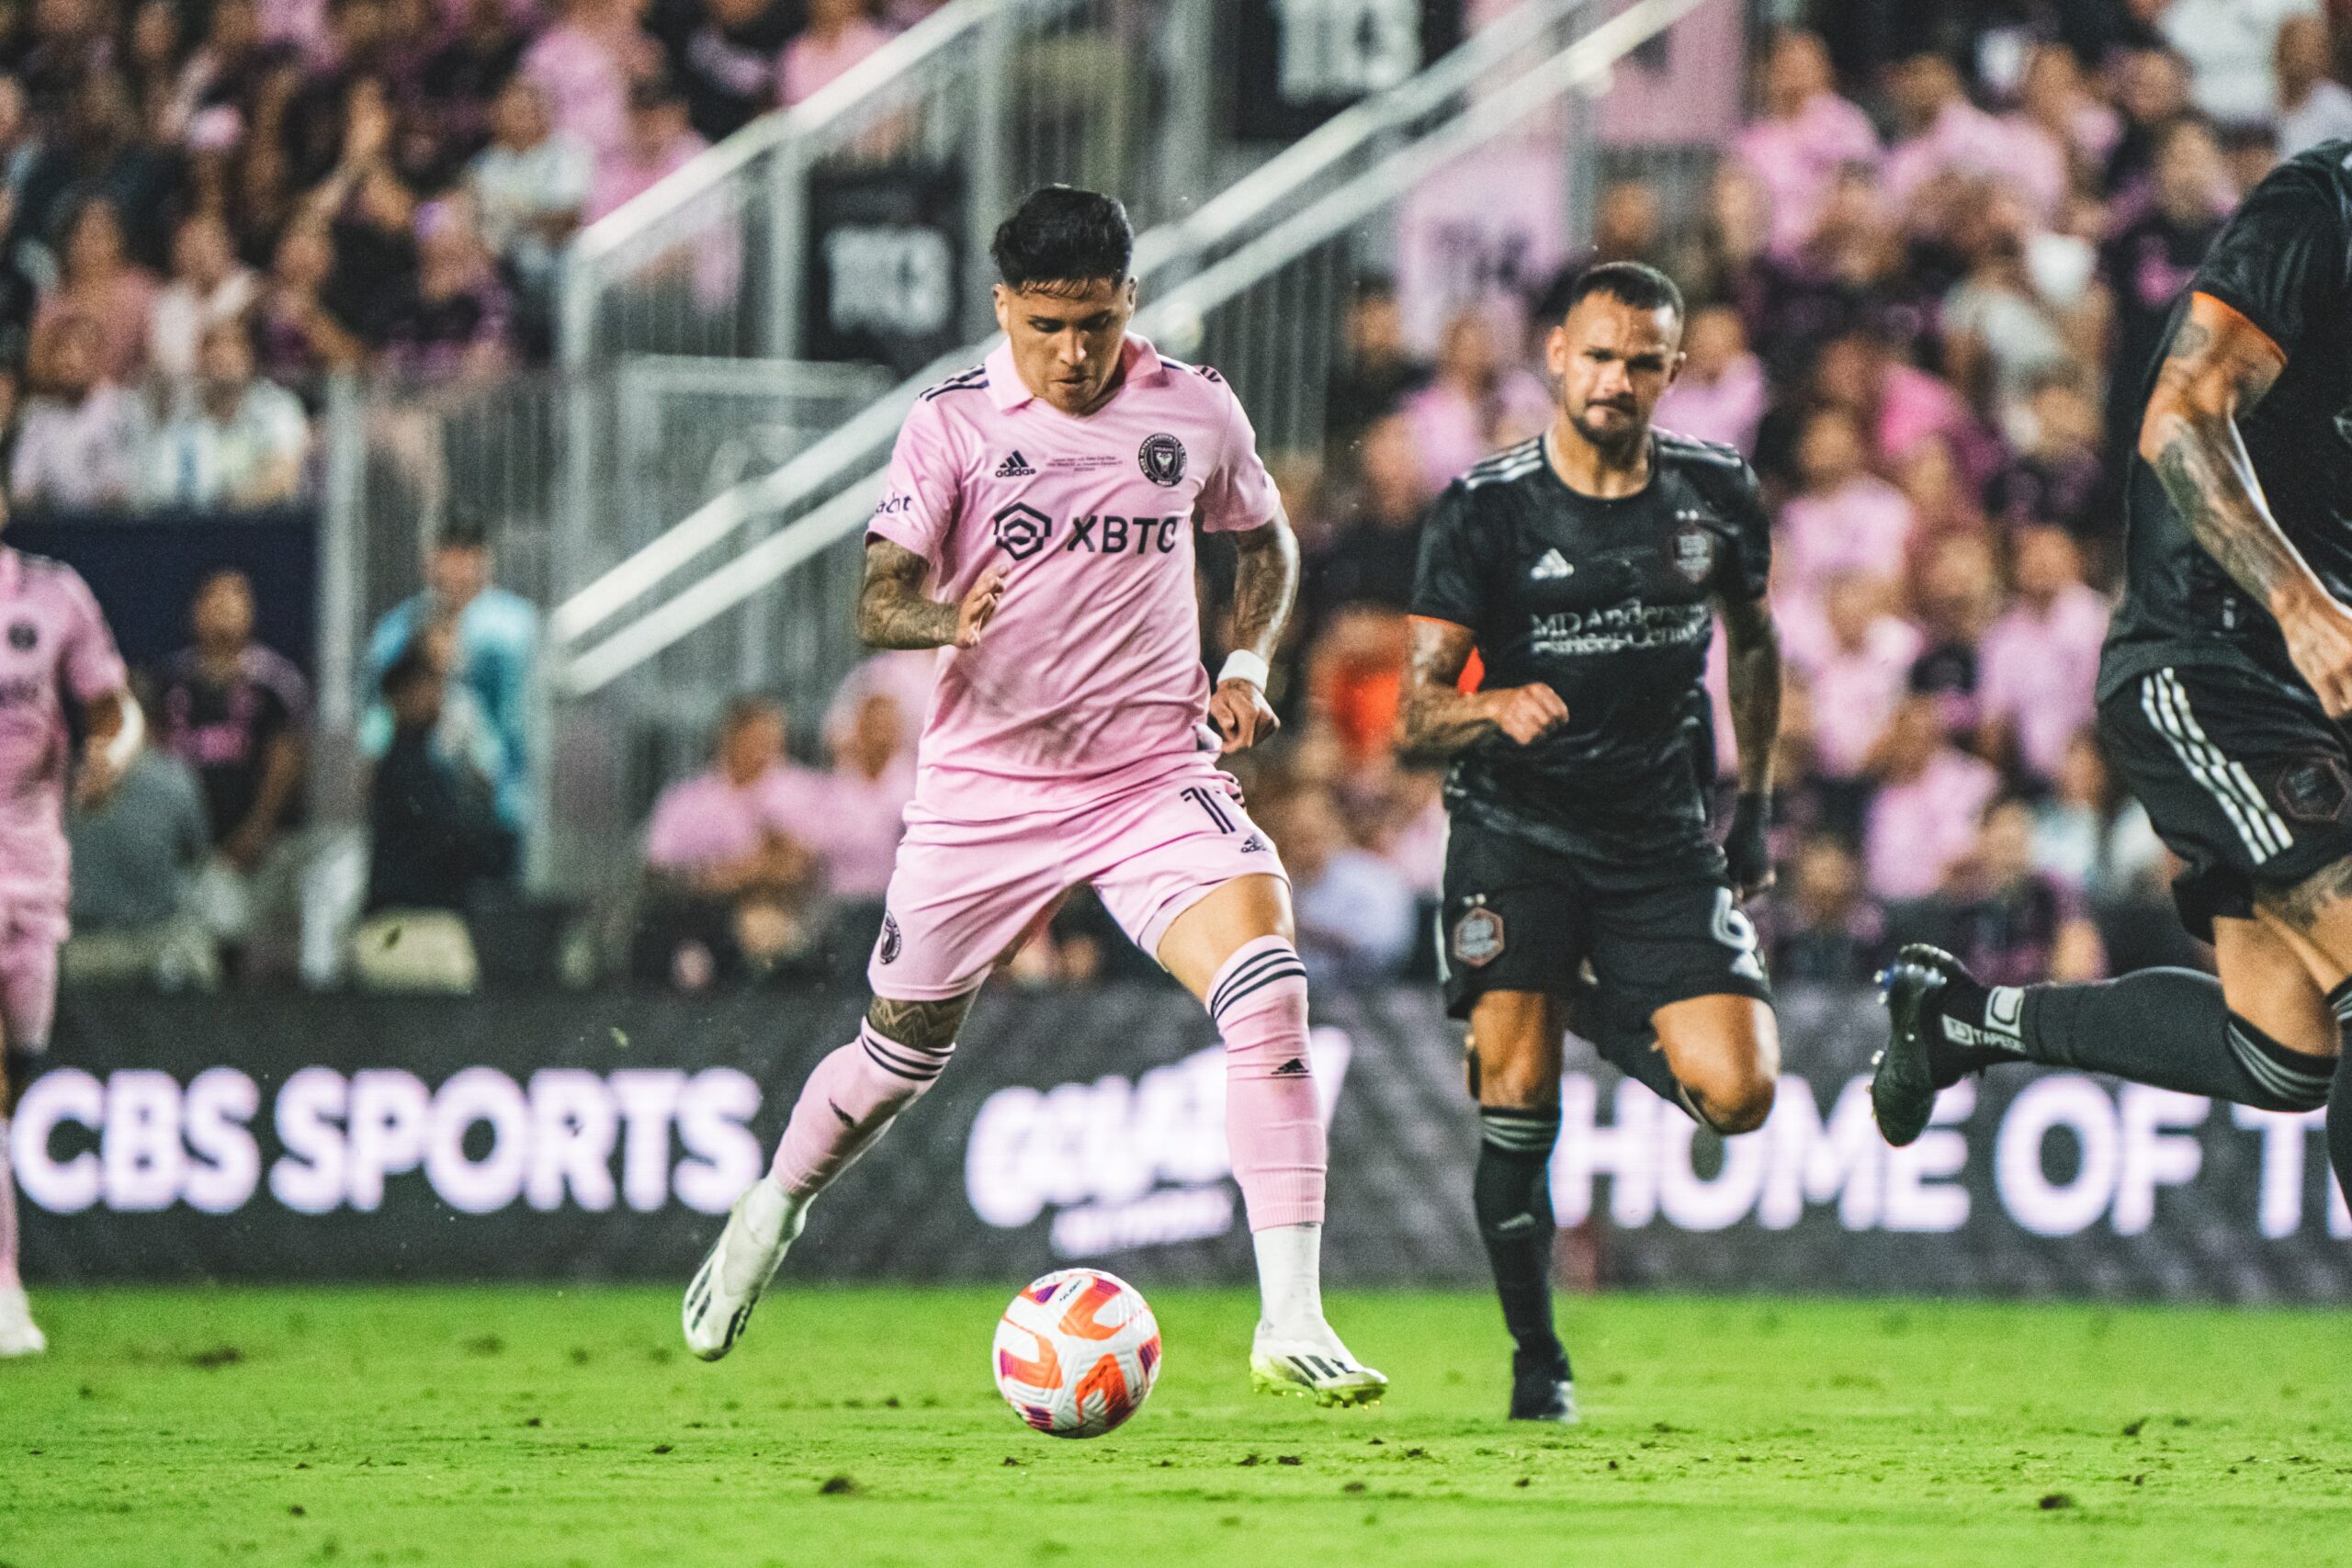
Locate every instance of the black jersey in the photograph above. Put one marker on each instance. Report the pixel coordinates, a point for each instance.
(1609, 603)
(2284, 262)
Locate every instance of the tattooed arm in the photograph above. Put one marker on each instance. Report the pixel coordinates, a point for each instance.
(1266, 581)
(1753, 644)
(1439, 718)
(2217, 367)
(893, 611)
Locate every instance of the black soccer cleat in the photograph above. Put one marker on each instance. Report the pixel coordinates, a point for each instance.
(1917, 1061)
(1543, 1392)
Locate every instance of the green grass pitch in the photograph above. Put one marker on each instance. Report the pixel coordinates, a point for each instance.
(514, 1426)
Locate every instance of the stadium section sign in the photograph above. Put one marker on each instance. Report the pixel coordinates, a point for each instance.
(602, 1136)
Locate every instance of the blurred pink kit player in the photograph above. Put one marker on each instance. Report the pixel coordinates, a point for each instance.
(53, 639)
(1066, 746)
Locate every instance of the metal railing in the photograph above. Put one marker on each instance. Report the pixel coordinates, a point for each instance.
(993, 96)
(1263, 269)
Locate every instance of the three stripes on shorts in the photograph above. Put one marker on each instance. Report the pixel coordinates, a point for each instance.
(2165, 702)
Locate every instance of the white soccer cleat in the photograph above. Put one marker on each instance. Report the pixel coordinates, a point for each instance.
(1316, 1366)
(19, 1335)
(740, 1263)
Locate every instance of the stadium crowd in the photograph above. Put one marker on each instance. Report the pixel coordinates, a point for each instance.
(1924, 285)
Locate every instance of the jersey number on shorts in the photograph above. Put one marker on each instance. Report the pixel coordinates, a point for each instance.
(1736, 931)
(1206, 799)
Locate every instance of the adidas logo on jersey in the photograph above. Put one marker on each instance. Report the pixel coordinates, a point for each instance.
(1015, 467)
(1552, 566)
(1254, 845)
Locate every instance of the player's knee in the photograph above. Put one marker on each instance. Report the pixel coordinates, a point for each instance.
(1733, 1091)
(1516, 1081)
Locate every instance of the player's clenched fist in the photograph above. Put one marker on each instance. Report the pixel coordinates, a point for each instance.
(978, 607)
(1528, 713)
(1241, 714)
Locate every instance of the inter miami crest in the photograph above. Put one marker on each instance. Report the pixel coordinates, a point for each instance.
(890, 942)
(22, 636)
(1693, 553)
(1477, 937)
(1022, 530)
(1162, 460)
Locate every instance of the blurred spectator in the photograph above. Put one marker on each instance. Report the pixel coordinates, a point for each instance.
(460, 80)
(727, 852)
(723, 54)
(2151, 92)
(2009, 923)
(234, 441)
(1370, 557)
(1355, 912)
(208, 286)
(99, 283)
(1856, 665)
(2151, 259)
(660, 143)
(2041, 659)
(2056, 476)
(1475, 405)
(1843, 518)
(435, 840)
(585, 63)
(497, 637)
(235, 713)
(2091, 835)
(838, 34)
(2230, 46)
(78, 445)
(2058, 102)
(133, 857)
(301, 338)
(99, 157)
(1946, 135)
(2313, 107)
(865, 796)
(1922, 824)
(1959, 595)
(2022, 311)
(455, 320)
(1721, 394)
(1377, 368)
(1826, 929)
(1806, 138)
(530, 185)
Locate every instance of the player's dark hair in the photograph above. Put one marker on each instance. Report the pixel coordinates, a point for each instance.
(1631, 283)
(1062, 235)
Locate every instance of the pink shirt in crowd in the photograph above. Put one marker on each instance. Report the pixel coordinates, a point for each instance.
(1863, 525)
(57, 642)
(1728, 408)
(622, 176)
(864, 819)
(586, 83)
(1854, 691)
(707, 821)
(1451, 430)
(1917, 832)
(2040, 672)
(1798, 160)
(1966, 141)
(1089, 681)
(809, 63)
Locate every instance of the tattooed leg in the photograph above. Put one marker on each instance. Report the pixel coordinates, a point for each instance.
(855, 1093)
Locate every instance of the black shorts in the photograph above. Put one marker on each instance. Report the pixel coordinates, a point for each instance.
(1522, 918)
(2243, 775)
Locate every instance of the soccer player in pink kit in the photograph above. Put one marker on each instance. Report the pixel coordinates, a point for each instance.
(1048, 496)
(53, 640)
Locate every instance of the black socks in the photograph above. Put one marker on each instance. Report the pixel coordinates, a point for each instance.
(1513, 1199)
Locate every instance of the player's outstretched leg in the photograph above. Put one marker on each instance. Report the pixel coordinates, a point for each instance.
(2171, 1028)
(19, 1335)
(846, 1105)
(1254, 986)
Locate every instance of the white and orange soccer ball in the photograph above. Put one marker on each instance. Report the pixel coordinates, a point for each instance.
(1077, 1353)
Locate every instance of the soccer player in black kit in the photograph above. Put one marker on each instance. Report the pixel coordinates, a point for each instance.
(2222, 692)
(1586, 568)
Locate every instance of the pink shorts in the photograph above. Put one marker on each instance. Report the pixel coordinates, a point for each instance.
(964, 896)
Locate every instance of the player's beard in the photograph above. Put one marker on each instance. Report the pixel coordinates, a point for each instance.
(1618, 439)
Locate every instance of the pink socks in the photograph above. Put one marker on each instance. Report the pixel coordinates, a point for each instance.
(847, 1104)
(1271, 1125)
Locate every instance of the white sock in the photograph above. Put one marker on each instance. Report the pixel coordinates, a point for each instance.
(773, 1212)
(1290, 1280)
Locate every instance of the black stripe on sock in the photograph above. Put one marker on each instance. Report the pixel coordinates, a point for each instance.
(2298, 1078)
(1292, 971)
(1516, 1131)
(1222, 992)
(914, 1068)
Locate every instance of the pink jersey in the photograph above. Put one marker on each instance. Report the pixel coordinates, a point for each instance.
(1089, 680)
(55, 639)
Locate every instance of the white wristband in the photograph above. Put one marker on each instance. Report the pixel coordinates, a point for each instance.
(1243, 665)
(124, 743)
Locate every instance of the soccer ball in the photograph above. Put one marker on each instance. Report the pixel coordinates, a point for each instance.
(1077, 1353)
